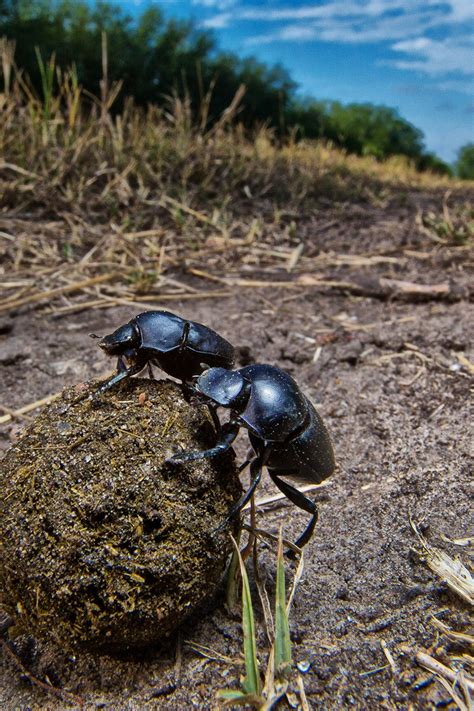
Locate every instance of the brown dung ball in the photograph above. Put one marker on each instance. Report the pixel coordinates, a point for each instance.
(103, 544)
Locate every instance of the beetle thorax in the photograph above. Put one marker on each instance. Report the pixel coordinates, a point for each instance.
(224, 387)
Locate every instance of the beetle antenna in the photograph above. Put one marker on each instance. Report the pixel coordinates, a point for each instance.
(93, 335)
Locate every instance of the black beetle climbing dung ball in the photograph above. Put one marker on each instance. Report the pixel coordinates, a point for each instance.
(103, 544)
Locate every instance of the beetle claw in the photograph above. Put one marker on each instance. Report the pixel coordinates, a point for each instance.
(174, 460)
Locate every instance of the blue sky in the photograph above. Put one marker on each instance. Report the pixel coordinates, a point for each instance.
(414, 55)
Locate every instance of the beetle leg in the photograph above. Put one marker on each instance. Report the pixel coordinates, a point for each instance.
(133, 370)
(150, 371)
(298, 499)
(121, 367)
(227, 434)
(255, 475)
(215, 418)
(250, 455)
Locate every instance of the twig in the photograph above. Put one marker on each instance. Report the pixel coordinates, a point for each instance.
(466, 363)
(17, 169)
(302, 693)
(449, 679)
(178, 662)
(452, 571)
(389, 656)
(381, 288)
(294, 257)
(209, 653)
(66, 695)
(370, 672)
(455, 696)
(109, 302)
(433, 665)
(264, 534)
(189, 210)
(459, 637)
(28, 408)
(14, 414)
(46, 295)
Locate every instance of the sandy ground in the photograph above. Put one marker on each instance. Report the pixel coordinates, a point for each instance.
(388, 375)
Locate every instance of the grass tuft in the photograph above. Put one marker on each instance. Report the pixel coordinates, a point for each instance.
(280, 672)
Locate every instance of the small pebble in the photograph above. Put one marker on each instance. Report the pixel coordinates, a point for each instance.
(304, 666)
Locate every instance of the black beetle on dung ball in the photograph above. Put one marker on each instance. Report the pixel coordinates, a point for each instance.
(181, 348)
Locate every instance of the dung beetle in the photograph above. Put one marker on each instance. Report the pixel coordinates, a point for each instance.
(286, 433)
(181, 348)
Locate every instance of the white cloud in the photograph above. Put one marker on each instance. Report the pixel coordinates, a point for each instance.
(436, 57)
(288, 33)
(461, 10)
(351, 30)
(297, 32)
(218, 22)
(403, 25)
(217, 4)
(363, 10)
(332, 9)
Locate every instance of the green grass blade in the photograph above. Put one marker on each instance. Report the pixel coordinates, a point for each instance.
(252, 683)
(232, 585)
(239, 698)
(47, 81)
(282, 628)
(229, 695)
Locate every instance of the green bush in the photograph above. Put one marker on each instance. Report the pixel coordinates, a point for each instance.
(465, 162)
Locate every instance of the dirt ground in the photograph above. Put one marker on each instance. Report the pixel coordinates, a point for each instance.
(389, 375)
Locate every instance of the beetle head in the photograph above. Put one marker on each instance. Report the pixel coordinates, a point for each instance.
(124, 339)
(225, 387)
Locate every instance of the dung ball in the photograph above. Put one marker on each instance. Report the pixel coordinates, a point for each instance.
(102, 543)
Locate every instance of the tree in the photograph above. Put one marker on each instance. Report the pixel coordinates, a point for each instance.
(429, 161)
(465, 162)
(310, 118)
(374, 130)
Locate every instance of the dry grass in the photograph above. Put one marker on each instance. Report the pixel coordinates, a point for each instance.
(103, 206)
(78, 161)
(454, 672)
(65, 150)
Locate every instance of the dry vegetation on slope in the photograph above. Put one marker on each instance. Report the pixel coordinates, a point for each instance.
(113, 202)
